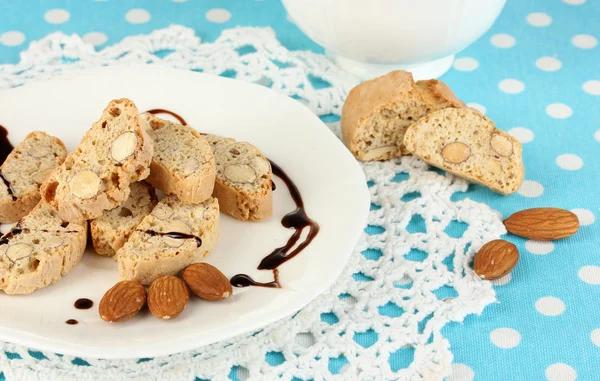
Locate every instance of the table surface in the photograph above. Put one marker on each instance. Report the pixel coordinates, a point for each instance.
(536, 74)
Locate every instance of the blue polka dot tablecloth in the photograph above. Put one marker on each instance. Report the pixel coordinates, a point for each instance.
(536, 73)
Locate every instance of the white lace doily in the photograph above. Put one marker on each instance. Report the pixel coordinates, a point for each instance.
(408, 277)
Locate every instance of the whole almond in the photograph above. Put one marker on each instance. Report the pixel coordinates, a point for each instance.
(495, 259)
(207, 282)
(122, 301)
(545, 224)
(167, 297)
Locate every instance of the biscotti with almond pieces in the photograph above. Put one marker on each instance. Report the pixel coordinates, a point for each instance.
(244, 179)
(183, 162)
(39, 250)
(111, 230)
(468, 144)
(95, 177)
(173, 236)
(377, 113)
(24, 170)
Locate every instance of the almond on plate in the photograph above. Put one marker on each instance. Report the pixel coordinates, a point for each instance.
(122, 301)
(207, 282)
(495, 259)
(167, 297)
(546, 224)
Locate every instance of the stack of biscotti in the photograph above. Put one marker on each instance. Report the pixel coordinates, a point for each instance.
(102, 181)
(377, 113)
(95, 177)
(184, 226)
(393, 115)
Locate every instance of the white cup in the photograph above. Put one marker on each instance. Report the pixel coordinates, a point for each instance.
(372, 37)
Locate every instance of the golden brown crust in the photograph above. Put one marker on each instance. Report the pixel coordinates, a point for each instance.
(118, 131)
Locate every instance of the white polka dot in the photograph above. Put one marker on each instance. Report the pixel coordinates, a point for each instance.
(574, 2)
(179, 1)
(584, 41)
(95, 38)
(569, 162)
(559, 110)
(478, 107)
(461, 372)
(12, 38)
(290, 19)
(550, 306)
(592, 87)
(503, 41)
(531, 188)
(218, 15)
(57, 16)
(466, 64)
(590, 274)
(502, 281)
(539, 19)
(586, 217)
(539, 247)
(524, 135)
(548, 64)
(138, 16)
(595, 336)
(597, 136)
(560, 372)
(511, 86)
(505, 338)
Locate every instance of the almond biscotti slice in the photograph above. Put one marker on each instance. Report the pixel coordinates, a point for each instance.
(183, 162)
(244, 179)
(39, 250)
(377, 113)
(95, 177)
(111, 230)
(24, 170)
(173, 236)
(468, 144)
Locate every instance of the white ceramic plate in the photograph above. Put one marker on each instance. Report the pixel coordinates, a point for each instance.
(330, 181)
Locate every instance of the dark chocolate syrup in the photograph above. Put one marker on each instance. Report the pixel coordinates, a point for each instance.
(174, 235)
(16, 230)
(244, 280)
(273, 186)
(297, 220)
(83, 304)
(5, 146)
(163, 111)
(8, 187)
(71, 322)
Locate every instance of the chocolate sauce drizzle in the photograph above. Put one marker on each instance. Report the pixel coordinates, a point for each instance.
(297, 220)
(5, 146)
(71, 322)
(155, 111)
(83, 304)
(174, 235)
(16, 230)
(8, 188)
